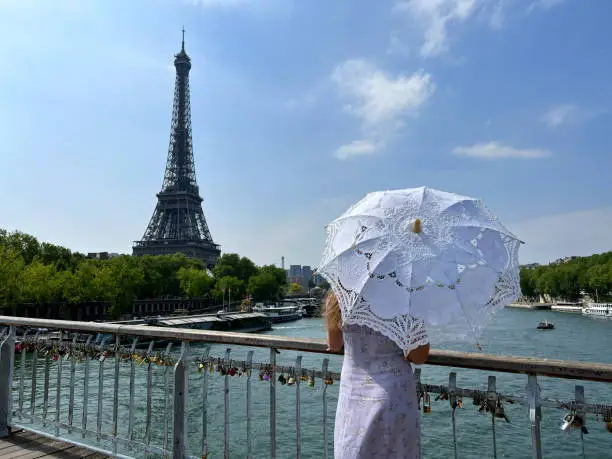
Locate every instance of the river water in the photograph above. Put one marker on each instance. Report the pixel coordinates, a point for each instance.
(511, 332)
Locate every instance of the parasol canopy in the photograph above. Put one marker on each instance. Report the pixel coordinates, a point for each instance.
(420, 254)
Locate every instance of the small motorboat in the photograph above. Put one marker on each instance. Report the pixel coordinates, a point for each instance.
(545, 325)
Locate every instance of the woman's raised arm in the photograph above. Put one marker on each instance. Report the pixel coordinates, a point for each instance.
(335, 340)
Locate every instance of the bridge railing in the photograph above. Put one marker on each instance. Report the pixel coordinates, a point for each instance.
(133, 391)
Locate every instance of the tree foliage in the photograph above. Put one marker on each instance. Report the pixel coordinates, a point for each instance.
(295, 288)
(264, 286)
(195, 282)
(232, 265)
(33, 272)
(229, 287)
(571, 279)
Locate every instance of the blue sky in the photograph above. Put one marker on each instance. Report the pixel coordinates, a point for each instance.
(299, 108)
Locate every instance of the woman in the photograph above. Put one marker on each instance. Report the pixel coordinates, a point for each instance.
(377, 414)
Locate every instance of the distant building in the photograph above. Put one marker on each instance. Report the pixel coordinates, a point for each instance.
(295, 271)
(102, 255)
(318, 280)
(98, 255)
(306, 276)
(560, 261)
(302, 275)
(531, 266)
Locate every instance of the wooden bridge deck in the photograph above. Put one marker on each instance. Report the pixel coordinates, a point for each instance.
(27, 445)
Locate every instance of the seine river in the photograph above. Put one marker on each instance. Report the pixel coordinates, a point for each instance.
(512, 332)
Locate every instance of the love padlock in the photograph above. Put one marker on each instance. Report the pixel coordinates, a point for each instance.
(426, 403)
(608, 423)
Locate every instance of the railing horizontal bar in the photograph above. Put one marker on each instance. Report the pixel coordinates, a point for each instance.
(506, 364)
(554, 368)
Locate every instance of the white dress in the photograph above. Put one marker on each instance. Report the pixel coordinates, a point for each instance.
(377, 414)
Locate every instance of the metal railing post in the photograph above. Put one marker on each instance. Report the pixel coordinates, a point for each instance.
(273, 352)
(7, 356)
(452, 391)
(492, 400)
(324, 368)
(298, 374)
(58, 387)
(249, 404)
(204, 390)
(115, 418)
(132, 392)
(535, 414)
(226, 403)
(179, 414)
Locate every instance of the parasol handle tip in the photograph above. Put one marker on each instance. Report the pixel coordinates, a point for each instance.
(416, 226)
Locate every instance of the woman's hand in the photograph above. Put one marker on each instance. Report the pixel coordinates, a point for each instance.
(419, 355)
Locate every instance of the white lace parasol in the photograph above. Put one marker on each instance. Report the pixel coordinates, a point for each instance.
(398, 258)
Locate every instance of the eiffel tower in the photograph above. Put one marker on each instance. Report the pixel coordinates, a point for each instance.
(178, 224)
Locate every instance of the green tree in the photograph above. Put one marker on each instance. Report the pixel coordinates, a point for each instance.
(38, 283)
(229, 287)
(600, 279)
(195, 282)
(11, 266)
(60, 257)
(120, 279)
(232, 265)
(160, 278)
(295, 288)
(528, 287)
(279, 274)
(263, 286)
(24, 244)
(82, 285)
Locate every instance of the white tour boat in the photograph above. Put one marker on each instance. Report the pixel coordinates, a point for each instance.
(598, 309)
(280, 313)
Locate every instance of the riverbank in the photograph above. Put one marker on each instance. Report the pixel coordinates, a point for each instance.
(560, 307)
(530, 305)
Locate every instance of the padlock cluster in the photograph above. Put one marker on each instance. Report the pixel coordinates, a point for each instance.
(606, 416)
(232, 368)
(575, 420)
(307, 377)
(485, 404)
(223, 367)
(79, 352)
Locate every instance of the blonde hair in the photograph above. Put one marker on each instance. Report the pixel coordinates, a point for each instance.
(332, 312)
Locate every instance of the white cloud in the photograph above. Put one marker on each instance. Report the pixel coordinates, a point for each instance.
(377, 97)
(436, 16)
(379, 100)
(357, 148)
(496, 20)
(550, 237)
(497, 150)
(544, 4)
(565, 114)
(558, 115)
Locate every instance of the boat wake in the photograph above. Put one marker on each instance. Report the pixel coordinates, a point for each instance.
(294, 327)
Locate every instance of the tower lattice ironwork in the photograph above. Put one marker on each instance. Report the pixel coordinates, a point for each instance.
(178, 224)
